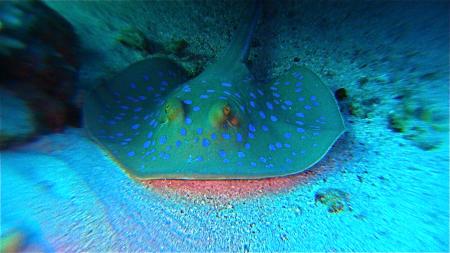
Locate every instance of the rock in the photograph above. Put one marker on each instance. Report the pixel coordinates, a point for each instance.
(17, 120)
(12, 242)
(341, 94)
(33, 33)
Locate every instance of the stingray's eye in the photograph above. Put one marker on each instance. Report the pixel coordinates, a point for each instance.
(234, 121)
(174, 109)
(226, 110)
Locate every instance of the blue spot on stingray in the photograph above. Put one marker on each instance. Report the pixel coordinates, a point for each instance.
(241, 154)
(288, 102)
(213, 136)
(313, 98)
(251, 136)
(262, 114)
(265, 128)
(252, 95)
(187, 89)
(269, 105)
(183, 131)
(226, 136)
(278, 145)
(222, 153)
(298, 90)
(287, 145)
(138, 109)
(146, 144)
(188, 121)
(203, 96)
(210, 91)
(149, 135)
(188, 102)
(301, 99)
(287, 83)
(300, 123)
(238, 137)
(277, 95)
(300, 115)
(178, 143)
(164, 83)
(119, 134)
(205, 142)
(308, 107)
(225, 84)
(253, 164)
(252, 103)
(146, 78)
(196, 108)
(135, 126)
(300, 130)
(149, 88)
(272, 147)
(273, 118)
(133, 85)
(247, 145)
(199, 158)
(163, 139)
(142, 98)
(262, 159)
(251, 127)
(131, 153)
(199, 130)
(287, 135)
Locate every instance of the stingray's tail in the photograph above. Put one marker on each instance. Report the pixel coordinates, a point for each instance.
(237, 51)
(239, 47)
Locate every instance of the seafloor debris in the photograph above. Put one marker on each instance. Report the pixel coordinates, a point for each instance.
(38, 58)
(336, 200)
(418, 121)
(341, 94)
(134, 38)
(176, 46)
(355, 106)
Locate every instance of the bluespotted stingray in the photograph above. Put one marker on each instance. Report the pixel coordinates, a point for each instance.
(222, 124)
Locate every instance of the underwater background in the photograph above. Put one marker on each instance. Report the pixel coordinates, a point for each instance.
(383, 185)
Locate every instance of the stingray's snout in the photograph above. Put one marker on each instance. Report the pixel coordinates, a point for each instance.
(222, 114)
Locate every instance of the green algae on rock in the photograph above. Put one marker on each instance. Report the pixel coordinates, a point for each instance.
(336, 200)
